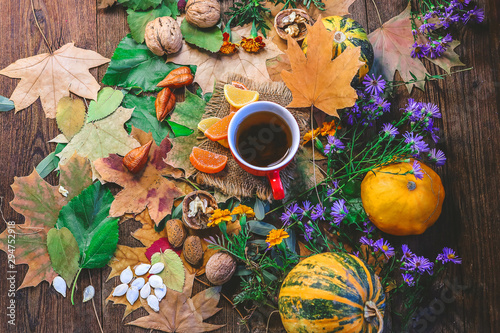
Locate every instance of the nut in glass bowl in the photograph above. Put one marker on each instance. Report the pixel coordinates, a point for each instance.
(292, 22)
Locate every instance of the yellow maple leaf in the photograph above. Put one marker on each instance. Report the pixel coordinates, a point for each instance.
(316, 79)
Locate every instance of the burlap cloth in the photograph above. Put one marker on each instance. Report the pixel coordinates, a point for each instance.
(233, 180)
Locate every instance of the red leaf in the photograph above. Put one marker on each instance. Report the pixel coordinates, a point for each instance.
(162, 245)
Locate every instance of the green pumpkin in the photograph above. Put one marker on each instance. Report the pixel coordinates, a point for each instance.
(331, 292)
(348, 34)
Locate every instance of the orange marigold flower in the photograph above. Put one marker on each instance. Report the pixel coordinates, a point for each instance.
(228, 47)
(252, 44)
(243, 210)
(311, 135)
(218, 216)
(327, 129)
(275, 237)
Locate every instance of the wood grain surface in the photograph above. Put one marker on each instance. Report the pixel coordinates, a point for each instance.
(470, 220)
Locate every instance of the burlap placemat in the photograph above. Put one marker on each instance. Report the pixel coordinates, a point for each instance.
(233, 180)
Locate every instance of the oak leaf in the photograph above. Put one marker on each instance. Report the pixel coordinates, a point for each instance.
(148, 188)
(316, 79)
(100, 138)
(216, 66)
(179, 313)
(40, 204)
(53, 76)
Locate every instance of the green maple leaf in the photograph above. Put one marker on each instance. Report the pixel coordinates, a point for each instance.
(189, 112)
(137, 21)
(140, 4)
(64, 253)
(86, 216)
(173, 274)
(209, 39)
(134, 65)
(40, 204)
(108, 100)
(179, 155)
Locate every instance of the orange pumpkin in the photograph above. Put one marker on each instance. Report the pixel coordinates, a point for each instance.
(401, 204)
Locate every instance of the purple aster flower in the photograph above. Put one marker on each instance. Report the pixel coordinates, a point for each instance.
(434, 136)
(413, 109)
(448, 255)
(408, 279)
(459, 3)
(419, 264)
(473, 15)
(447, 39)
(356, 253)
(339, 211)
(448, 18)
(436, 49)
(306, 208)
(374, 86)
(414, 32)
(417, 170)
(308, 231)
(431, 110)
(383, 104)
(318, 213)
(366, 241)
(334, 145)
(389, 129)
(427, 27)
(437, 156)
(427, 16)
(407, 254)
(289, 212)
(385, 247)
(416, 142)
(419, 50)
(369, 227)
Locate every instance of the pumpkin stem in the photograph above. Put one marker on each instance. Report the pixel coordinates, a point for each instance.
(411, 185)
(339, 37)
(371, 310)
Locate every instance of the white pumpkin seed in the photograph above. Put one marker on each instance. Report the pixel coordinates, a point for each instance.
(142, 269)
(88, 293)
(154, 303)
(120, 290)
(161, 292)
(138, 283)
(64, 192)
(126, 275)
(132, 295)
(59, 285)
(155, 281)
(146, 290)
(157, 268)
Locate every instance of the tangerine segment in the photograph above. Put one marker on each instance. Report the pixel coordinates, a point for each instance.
(206, 161)
(239, 97)
(224, 143)
(218, 131)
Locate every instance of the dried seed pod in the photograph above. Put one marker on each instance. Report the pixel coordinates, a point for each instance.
(138, 283)
(136, 159)
(154, 303)
(145, 290)
(177, 78)
(192, 250)
(164, 104)
(157, 268)
(126, 275)
(59, 285)
(120, 290)
(132, 295)
(155, 281)
(88, 294)
(176, 233)
(142, 269)
(220, 268)
(161, 292)
(163, 35)
(203, 13)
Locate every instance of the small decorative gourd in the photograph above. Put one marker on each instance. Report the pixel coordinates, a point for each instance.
(163, 35)
(203, 13)
(401, 204)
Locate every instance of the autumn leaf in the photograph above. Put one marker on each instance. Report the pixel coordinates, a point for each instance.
(392, 45)
(52, 76)
(40, 204)
(147, 234)
(125, 256)
(101, 138)
(448, 59)
(64, 253)
(216, 66)
(179, 154)
(148, 188)
(189, 112)
(316, 79)
(179, 313)
(161, 245)
(306, 173)
(70, 116)
(102, 4)
(108, 100)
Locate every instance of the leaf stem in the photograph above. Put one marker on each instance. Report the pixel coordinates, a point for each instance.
(378, 13)
(74, 285)
(38, 25)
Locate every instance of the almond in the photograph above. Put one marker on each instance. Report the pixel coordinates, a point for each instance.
(192, 250)
(176, 233)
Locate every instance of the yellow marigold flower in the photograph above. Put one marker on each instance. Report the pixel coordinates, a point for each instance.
(243, 210)
(252, 45)
(311, 135)
(218, 216)
(276, 236)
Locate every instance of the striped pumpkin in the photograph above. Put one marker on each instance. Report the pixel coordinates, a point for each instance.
(348, 34)
(331, 292)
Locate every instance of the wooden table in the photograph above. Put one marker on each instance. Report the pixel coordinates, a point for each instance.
(471, 130)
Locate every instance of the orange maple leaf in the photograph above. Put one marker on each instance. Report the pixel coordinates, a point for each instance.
(316, 79)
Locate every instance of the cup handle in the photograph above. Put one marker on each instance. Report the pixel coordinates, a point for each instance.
(276, 185)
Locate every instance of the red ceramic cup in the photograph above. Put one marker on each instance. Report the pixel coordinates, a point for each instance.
(272, 172)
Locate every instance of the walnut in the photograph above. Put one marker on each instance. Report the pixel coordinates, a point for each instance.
(163, 35)
(197, 208)
(203, 13)
(220, 268)
(292, 22)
